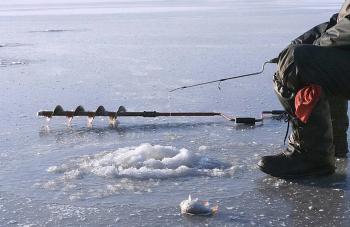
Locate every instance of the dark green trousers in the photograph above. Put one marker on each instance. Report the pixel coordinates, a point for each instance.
(300, 65)
(340, 124)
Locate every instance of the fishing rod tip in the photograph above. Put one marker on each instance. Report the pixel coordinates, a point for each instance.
(179, 88)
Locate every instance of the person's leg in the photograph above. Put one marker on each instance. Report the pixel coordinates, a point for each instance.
(340, 124)
(324, 66)
(310, 148)
(330, 68)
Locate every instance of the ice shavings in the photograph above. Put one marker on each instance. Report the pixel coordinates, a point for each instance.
(144, 162)
(197, 207)
(69, 211)
(202, 148)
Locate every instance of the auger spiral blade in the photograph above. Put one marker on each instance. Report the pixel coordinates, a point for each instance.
(79, 111)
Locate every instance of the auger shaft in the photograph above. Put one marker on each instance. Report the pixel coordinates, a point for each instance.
(101, 112)
(128, 114)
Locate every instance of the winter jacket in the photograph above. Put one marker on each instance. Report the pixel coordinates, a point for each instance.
(335, 33)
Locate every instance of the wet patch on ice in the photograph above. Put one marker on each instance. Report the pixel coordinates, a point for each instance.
(12, 44)
(276, 182)
(12, 62)
(70, 212)
(56, 30)
(144, 162)
(79, 191)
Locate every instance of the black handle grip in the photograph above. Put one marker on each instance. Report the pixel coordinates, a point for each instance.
(274, 60)
(245, 120)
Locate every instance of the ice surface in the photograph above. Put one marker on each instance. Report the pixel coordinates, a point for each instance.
(131, 52)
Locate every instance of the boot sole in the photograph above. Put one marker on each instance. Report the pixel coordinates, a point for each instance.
(315, 173)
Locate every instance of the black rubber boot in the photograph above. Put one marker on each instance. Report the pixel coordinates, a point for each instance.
(310, 150)
(340, 124)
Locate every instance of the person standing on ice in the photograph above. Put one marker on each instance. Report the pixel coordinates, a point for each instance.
(312, 83)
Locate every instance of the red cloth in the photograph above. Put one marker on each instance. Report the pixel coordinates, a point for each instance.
(305, 101)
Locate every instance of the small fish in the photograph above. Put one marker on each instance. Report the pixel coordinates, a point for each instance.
(196, 207)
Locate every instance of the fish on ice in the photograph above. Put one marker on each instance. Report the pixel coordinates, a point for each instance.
(197, 207)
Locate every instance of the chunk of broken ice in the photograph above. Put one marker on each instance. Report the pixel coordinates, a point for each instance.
(197, 207)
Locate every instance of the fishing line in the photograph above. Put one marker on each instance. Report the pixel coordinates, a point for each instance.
(272, 61)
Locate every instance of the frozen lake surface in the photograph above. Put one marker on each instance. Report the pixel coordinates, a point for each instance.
(131, 53)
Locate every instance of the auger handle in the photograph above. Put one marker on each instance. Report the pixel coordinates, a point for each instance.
(247, 120)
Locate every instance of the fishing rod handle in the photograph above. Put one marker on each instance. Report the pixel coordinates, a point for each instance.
(274, 60)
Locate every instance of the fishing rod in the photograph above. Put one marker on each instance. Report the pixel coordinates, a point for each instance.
(121, 112)
(272, 61)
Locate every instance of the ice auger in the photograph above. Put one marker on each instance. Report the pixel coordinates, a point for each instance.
(121, 112)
